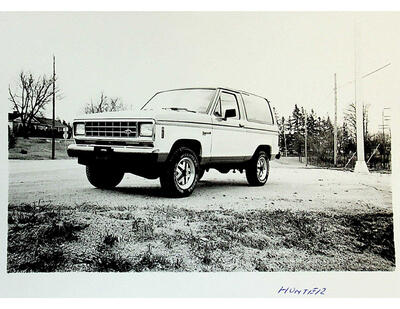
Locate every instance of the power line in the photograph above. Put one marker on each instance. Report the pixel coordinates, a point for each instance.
(370, 73)
(366, 75)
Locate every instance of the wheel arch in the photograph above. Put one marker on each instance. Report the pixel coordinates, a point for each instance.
(266, 148)
(192, 144)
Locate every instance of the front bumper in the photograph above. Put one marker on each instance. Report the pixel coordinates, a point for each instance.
(74, 149)
(87, 154)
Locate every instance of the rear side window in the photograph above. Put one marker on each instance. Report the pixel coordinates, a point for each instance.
(257, 109)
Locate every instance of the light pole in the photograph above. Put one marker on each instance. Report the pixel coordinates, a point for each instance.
(305, 137)
(361, 166)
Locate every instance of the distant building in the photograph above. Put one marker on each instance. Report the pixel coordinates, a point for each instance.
(40, 126)
(45, 123)
(11, 118)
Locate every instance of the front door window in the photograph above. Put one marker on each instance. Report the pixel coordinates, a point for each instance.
(226, 101)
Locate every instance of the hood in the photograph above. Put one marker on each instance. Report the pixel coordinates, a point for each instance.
(168, 115)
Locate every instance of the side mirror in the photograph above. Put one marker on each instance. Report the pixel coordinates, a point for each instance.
(230, 113)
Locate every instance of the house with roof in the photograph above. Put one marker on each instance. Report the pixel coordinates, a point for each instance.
(11, 117)
(40, 126)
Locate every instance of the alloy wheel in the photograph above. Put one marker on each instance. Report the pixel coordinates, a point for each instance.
(185, 173)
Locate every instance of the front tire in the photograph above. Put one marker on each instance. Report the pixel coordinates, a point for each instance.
(257, 171)
(103, 177)
(181, 173)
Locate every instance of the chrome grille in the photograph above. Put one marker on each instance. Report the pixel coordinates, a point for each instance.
(111, 128)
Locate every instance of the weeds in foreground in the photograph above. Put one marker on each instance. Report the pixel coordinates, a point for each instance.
(35, 238)
(111, 261)
(202, 240)
(143, 229)
(374, 233)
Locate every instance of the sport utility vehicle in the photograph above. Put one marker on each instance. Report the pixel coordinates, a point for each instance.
(177, 136)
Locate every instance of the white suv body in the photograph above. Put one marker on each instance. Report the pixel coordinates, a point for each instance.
(217, 128)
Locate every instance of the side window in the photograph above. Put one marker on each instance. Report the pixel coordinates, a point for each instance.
(226, 101)
(257, 109)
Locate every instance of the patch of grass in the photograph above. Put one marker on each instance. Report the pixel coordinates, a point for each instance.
(46, 258)
(152, 262)
(111, 261)
(374, 233)
(110, 240)
(122, 216)
(38, 149)
(46, 238)
(143, 229)
(35, 239)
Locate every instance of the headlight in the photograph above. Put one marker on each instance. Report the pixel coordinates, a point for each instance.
(146, 130)
(79, 129)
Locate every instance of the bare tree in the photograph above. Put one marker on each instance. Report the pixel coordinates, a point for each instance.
(30, 97)
(350, 119)
(104, 104)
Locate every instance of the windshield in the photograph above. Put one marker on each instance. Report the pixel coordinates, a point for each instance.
(191, 100)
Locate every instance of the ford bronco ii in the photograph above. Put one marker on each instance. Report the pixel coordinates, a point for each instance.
(177, 136)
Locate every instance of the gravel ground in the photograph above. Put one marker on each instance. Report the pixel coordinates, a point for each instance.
(290, 186)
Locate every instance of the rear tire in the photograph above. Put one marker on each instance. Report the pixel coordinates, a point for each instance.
(181, 173)
(257, 171)
(103, 177)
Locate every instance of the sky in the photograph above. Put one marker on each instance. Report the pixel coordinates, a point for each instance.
(289, 58)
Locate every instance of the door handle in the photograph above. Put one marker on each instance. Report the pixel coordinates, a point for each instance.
(241, 125)
(206, 132)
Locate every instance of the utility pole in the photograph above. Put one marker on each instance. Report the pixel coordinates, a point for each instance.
(384, 126)
(335, 129)
(284, 138)
(305, 136)
(53, 142)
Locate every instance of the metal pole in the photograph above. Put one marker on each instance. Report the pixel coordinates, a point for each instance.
(361, 166)
(305, 136)
(383, 144)
(284, 137)
(384, 125)
(335, 129)
(53, 142)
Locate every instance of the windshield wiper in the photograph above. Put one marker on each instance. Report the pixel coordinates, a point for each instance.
(180, 109)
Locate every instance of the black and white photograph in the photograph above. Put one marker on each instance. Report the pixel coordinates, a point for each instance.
(200, 143)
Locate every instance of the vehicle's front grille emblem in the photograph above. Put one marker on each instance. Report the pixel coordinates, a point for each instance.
(128, 132)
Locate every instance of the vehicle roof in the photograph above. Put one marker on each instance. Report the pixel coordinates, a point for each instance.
(215, 88)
